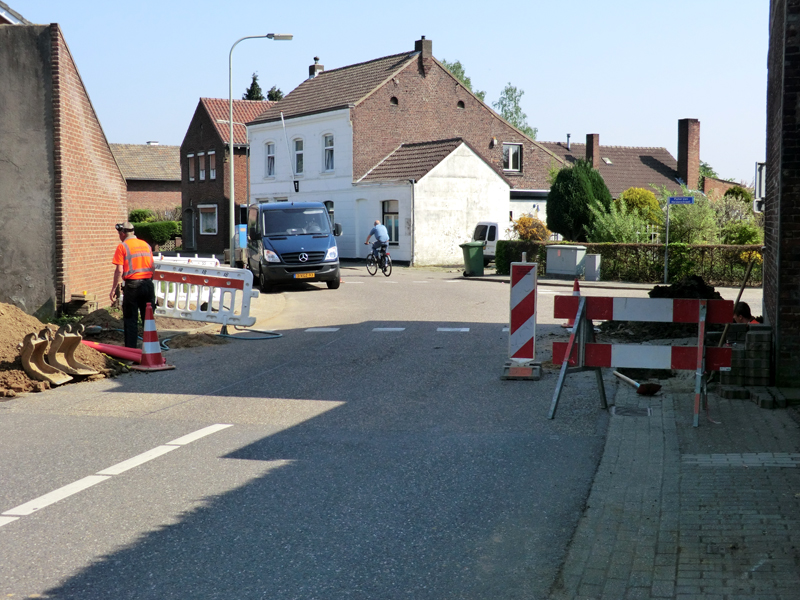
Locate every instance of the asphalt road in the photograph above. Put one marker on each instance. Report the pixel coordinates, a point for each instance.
(370, 452)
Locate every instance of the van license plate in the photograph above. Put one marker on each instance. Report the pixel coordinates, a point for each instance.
(304, 275)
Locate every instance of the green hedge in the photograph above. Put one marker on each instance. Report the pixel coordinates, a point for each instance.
(644, 263)
(158, 232)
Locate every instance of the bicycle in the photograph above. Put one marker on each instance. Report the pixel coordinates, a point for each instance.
(384, 262)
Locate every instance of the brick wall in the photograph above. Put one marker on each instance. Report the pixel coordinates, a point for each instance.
(716, 187)
(90, 192)
(428, 109)
(159, 196)
(782, 212)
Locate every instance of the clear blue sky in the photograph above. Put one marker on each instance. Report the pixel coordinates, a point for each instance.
(625, 69)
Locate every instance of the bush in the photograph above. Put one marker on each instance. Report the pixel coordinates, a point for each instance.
(644, 202)
(509, 251)
(620, 224)
(142, 215)
(573, 192)
(741, 233)
(528, 227)
(158, 232)
(738, 191)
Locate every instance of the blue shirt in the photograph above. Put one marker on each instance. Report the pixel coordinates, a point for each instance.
(380, 232)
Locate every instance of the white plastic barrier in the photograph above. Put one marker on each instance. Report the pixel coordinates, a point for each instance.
(216, 294)
(186, 295)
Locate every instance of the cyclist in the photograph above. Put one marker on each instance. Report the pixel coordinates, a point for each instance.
(381, 240)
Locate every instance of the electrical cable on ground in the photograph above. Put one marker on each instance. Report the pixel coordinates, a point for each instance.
(268, 335)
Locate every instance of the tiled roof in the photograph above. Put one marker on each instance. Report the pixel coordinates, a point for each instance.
(244, 111)
(412, 161)
(629, 166)
(146, 161)
(337, 88)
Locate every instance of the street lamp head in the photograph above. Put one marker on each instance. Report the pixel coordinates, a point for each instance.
(287, 37)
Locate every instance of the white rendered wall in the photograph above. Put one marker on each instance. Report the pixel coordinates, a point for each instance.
(450, 200)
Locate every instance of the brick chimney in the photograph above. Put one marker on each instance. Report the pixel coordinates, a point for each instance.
(689, 151)
(593, 149)
(315, 69)
(424, 46)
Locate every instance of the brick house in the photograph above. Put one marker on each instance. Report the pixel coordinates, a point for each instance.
(153, 175)
(364, 114)
(61, 190)
(205, 186)
(782, 202)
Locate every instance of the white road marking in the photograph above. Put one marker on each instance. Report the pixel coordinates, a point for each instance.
(200, 433)
(322, 329)
(506, 329)
(142, 458)
(458, 329)
(454, 281)
(389, 329)
(68, 490)
(63, 492)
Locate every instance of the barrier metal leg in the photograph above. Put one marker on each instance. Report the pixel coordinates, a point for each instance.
(576, 330)
(700, 377)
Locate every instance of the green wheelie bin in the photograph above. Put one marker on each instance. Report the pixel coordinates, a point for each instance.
(473, 258)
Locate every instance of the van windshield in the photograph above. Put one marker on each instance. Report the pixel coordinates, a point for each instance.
(296, 221)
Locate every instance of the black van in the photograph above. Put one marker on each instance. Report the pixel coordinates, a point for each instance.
(292, 241)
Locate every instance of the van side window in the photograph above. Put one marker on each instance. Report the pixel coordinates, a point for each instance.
(492, 233)
(480, 233)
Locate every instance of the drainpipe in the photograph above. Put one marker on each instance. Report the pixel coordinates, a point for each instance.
(412, 183)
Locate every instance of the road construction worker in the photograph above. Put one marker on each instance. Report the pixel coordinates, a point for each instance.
(134, 267)
(741, 314)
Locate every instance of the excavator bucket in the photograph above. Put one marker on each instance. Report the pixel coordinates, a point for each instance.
(61, 354)
(32, 355)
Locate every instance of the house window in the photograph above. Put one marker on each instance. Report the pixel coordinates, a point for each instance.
(328, 143)
(270, 170)
(212, 165)
(190, 163)
(512, 157)
(391, 220)
(208, 219)
(298, 157)
(201, 159)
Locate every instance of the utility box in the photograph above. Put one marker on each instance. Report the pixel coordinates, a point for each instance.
(566, 261)
(592, 267)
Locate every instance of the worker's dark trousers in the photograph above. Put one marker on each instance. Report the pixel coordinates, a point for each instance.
(135, 295)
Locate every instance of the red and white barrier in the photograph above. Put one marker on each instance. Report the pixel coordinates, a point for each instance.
(576, 292)
(653, 310)
(204, 293)
(522, 330)
(639, 356)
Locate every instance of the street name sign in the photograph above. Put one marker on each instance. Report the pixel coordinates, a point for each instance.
(681, 199)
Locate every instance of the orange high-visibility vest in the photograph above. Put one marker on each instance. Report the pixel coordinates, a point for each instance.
(138, 261)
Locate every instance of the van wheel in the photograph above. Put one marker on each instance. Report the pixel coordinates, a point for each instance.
(266, 288)
(333, 285)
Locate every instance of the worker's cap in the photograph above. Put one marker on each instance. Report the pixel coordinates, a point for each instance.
(126, 226)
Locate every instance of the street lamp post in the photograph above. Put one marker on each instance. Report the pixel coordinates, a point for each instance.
(232, 207)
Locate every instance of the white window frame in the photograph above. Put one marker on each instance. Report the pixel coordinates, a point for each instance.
(298, 156)
(190, 166)
(328, 152)
(201, 165)
(509, 165)
(200, 213)
(269, 153)
(391, 220)
(212, 160)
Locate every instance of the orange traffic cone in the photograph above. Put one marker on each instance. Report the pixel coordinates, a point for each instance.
(151, 349)
(576, 291)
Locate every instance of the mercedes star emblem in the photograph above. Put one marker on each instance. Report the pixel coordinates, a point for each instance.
(303, 257)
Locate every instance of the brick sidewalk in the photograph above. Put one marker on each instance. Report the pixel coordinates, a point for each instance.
(679, 512)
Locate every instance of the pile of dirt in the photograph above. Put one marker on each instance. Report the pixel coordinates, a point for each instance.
(104, 326)
(14, 326)
(688, 287)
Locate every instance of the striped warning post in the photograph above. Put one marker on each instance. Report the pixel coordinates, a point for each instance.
(151, 348)
(522, 331)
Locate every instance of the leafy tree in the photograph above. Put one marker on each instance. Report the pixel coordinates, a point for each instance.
(142, 215)
(690, 223)
(706, 170)
(274, 94)
(740, 192)
(528, 227)
(741, 232)
(254, 91)
(644, 202)
(621, 224)
(574, 191)
(509, 108)
(457, 70)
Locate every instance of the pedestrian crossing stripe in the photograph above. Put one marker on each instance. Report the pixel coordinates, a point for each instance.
(322, 329)
(389, 329)
(455, 329)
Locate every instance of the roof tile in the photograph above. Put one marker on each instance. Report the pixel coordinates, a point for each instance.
(244, 111)
(148, 161)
